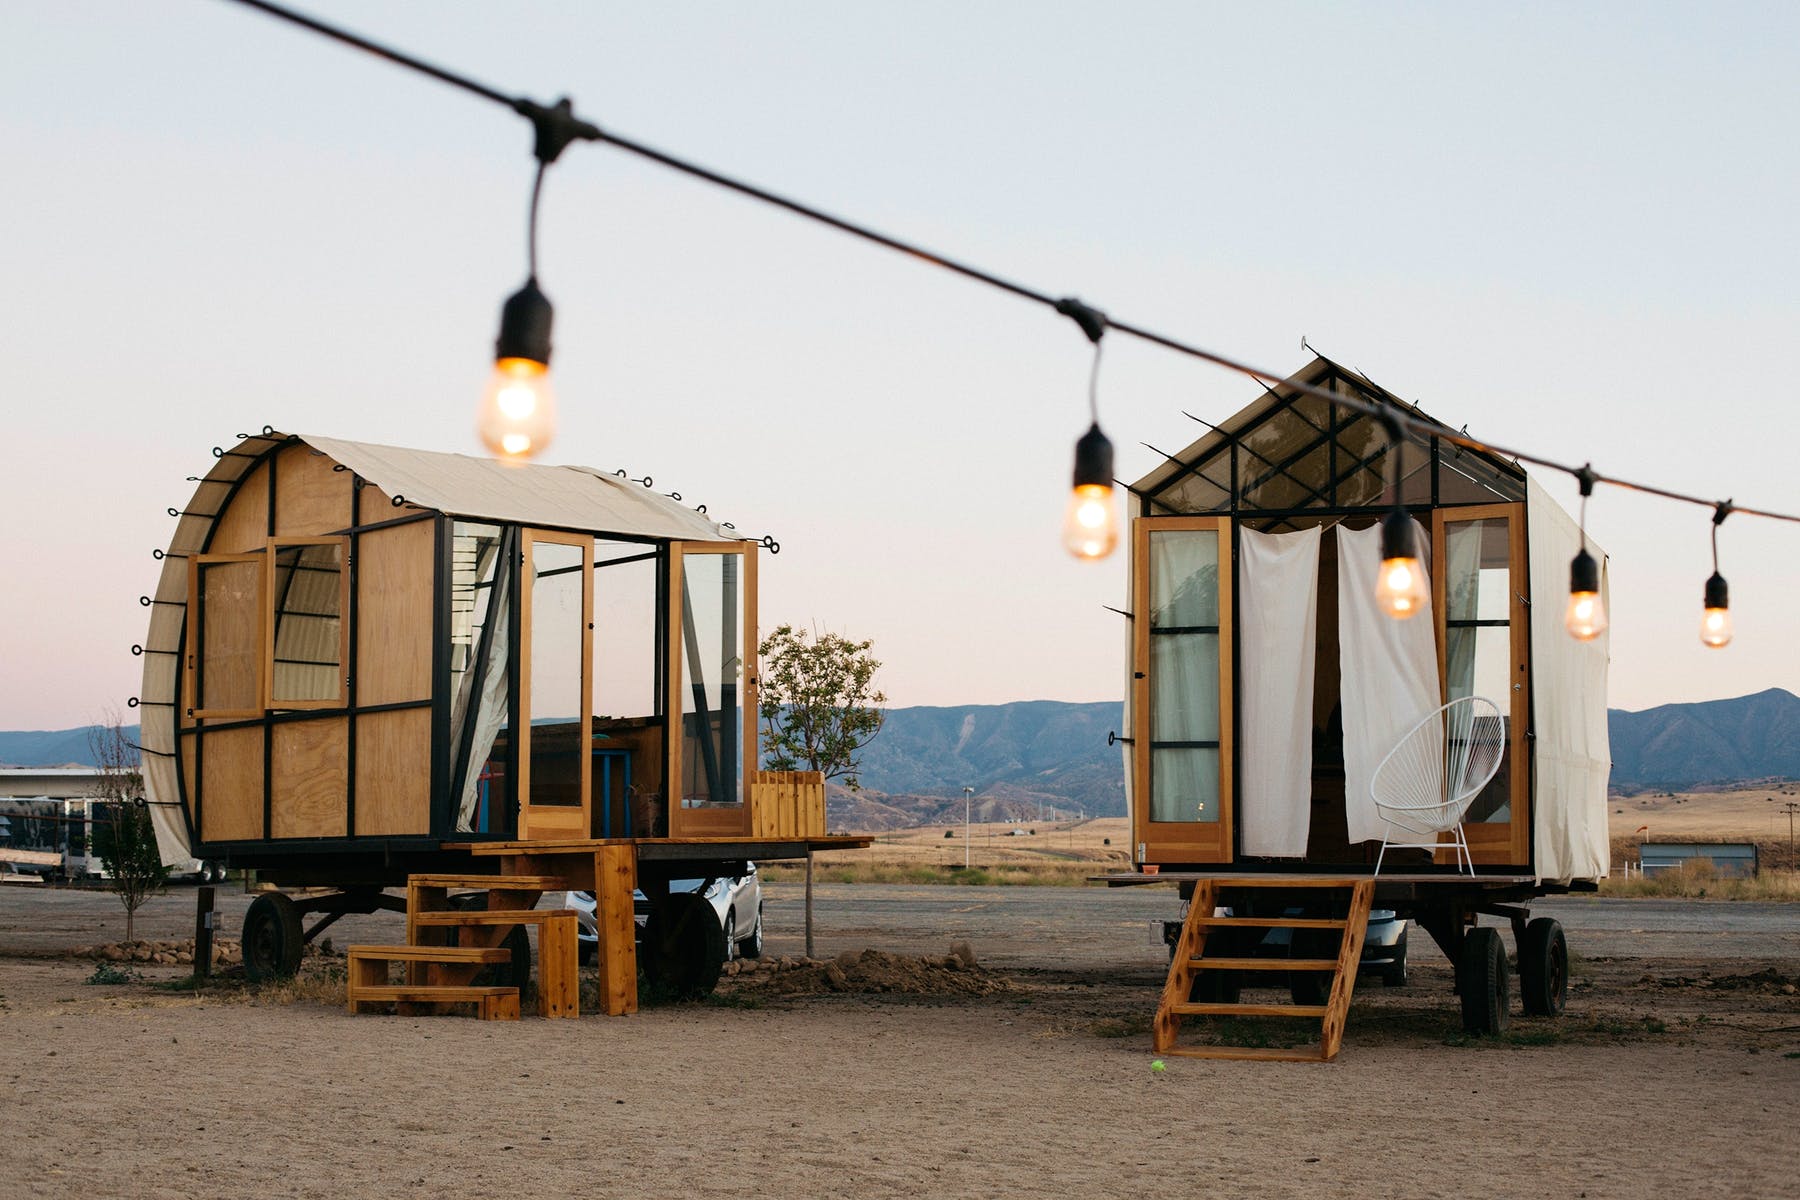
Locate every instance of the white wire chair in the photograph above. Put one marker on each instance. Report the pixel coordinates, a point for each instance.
(1428, 780)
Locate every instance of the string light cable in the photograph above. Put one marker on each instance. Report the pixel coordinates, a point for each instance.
(558, 126)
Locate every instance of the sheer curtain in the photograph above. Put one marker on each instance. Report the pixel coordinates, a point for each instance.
(1278, 612)
(1389, 669)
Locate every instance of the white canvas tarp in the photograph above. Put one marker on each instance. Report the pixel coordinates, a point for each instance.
(1278, 578)
(1389, 672)
(553, 497)
(1568, 697)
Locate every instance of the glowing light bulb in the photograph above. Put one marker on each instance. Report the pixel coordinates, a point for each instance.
(1585, 618)
(1091, 526)
(517, 418)
(1715, 623)
(1400, 584)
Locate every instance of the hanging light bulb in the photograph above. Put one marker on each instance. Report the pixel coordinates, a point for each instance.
(1091, 525)
(1585, 618)
(517, 417)
(1586, 615)
(1400, 584)
(1715, 624)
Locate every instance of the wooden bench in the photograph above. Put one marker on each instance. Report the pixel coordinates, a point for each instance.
(559, 980)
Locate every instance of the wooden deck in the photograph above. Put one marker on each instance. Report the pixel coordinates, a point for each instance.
(761, 849)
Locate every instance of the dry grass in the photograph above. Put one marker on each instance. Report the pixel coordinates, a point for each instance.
(1040, 853)
(1701, 881)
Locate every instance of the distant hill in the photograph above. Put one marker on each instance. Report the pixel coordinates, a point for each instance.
(1718, 741)
(1043, 752)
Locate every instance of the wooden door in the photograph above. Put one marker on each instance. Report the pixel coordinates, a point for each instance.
(712, 688)
(556, 644)
(1182, 786)
(1484, 649)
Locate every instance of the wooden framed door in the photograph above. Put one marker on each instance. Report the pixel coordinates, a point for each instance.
(1484, 649)
(1183, 802)
(556, 655)
(712, 688)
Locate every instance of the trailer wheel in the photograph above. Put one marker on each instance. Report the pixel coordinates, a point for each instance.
(1485, 982)
(1312, 988)
(516, 973)
(1543, 968)
(684, 945)
(1216, 987)
(273, 938)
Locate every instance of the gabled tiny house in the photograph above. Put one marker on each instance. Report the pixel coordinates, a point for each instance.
(367, 662)
(1265, 686)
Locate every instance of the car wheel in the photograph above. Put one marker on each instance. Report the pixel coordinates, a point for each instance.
(1394, 974)
(1543, 968)
(273, 939)
(752, 946)
(1485, 982)
(730, 935)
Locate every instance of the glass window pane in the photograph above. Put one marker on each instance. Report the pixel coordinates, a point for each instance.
(308, 617)
(1184, 785)
(1184, 578)
(558, 742)
(712, 666)
(1184, 684)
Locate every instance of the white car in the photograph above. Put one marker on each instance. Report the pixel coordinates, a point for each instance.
(736, 898)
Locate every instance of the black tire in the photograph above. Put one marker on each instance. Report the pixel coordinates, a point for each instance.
(273, 939)
(1543, 968)
(1312, 988)
(684, 945)
(1216, 987)
(752, 946)
(1484, 980)
(516, 973)
(1394, 974)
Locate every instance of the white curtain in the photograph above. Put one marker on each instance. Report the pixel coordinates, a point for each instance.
(1568, 696)
(1389, 671)
(1278, 612)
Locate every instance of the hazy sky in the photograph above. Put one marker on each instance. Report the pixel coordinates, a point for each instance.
(1570, 226)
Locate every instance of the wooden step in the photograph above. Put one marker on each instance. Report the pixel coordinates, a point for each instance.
(439, 954)
(496, 1003)
(1226, 883)
(1274, 922)
(1249, 1053)
(514, 883)
(1195, 1009)
(1263, 964)
(492, 916)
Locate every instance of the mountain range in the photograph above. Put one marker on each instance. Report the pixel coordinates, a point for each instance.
(1024, 757)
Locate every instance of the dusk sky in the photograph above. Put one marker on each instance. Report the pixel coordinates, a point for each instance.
(1571, 227)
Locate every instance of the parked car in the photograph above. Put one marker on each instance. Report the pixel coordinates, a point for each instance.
(736, 898)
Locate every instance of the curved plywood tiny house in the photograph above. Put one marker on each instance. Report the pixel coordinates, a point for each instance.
(366, 661)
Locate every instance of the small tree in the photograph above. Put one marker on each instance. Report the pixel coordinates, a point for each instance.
(819, 702)
(125, 839)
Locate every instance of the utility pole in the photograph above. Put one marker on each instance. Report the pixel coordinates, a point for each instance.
(968, 793)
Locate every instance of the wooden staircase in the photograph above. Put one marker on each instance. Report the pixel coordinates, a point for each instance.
(1191, 959)
(447, 947)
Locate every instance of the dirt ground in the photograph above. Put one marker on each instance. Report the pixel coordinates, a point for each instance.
(1030, 1071)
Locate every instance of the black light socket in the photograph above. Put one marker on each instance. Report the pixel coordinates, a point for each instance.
(1717, 594)
(1397, 539)
(1584, 573)
(525, 325)
(1094, 459)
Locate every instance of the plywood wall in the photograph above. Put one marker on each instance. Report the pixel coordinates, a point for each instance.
(244, 525)
(393, 772)
(393, 645)
(312, 498)
(309, 772)
(231, 785)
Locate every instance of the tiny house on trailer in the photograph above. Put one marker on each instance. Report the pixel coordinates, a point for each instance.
(1266, 687)
(370, 667)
